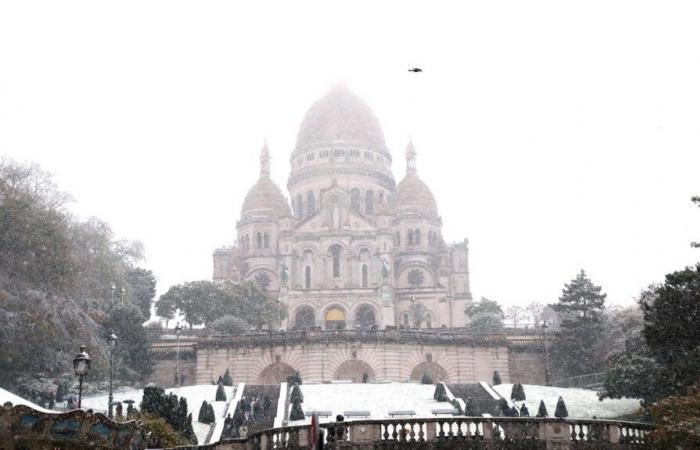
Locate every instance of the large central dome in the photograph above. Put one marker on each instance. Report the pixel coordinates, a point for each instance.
(340, 118)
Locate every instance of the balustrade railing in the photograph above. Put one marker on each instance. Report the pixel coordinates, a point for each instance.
(538, 431)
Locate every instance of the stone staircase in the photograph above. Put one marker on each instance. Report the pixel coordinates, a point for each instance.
(485, 402)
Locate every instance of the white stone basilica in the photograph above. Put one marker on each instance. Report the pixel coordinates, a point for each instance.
(354, 250)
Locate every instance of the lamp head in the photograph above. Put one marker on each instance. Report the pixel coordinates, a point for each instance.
(81, 362)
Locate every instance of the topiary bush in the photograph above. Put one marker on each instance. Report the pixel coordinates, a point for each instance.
(427, 379)
(228, 380)
(542, 411)
(496, 378)
(561, 412)
(517, 393)
(297, 413)
(296, 394)
(220, 393)
(440, 394)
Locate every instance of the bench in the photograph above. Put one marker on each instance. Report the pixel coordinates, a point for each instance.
(447, 411)
(364, 414)
(318, 413)
(401, 413)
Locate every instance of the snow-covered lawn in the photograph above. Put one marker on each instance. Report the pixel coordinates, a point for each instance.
(581, 403)
(194, 395)
(378, 399)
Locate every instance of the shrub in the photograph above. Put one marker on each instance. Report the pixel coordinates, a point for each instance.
(296, 394)
(503, 407)
(524, 412)
(471, 409)
(220, 393)
(229, 325)
(297, 412)
(457, 406)
(228, 381)
(440, 394)
(517, 393)
(496, 378)
(677, 421)
(427, 379)
(561, 411)
(203, 413)
(542, 411)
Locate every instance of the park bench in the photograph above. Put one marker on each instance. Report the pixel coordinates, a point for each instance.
(446, 411)
(318, 413)
(396, 413)
(363, 414)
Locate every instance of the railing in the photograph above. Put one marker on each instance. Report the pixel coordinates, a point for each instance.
(537, 431)
(581, 381)
(281, 338)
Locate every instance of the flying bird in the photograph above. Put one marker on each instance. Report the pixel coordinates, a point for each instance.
(415, 69)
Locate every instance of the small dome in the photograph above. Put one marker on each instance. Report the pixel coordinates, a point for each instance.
(265, 198)
(412, 196)
(340, 117)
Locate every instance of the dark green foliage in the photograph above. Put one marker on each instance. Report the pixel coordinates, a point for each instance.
(561, 412)
(296, 394)
(228, 381)
(576, 347)
(503, 407)
(60, 392)
(133, 341)
(170, 408)
(142, 285)
(206, 413)
(513, 412)
(542, 410)
(471, 408)
(297, 413)
(188, 431)
(439, 394)
(130, 411)
(517, 393)
(220, 380)
(220, 393)
(426, 379)
(456, 405)
(229, 325)
(496, 378)
(119, 410)
(524, 412)
(485, 316)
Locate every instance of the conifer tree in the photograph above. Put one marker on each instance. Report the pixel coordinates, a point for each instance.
(297, 413)
(188, 431)
(471, 409)
(228, 381)
(203, 411)
(576, 346)
(119, 411)
(212, 414)
(524, 412)
(503, 407)
(561, 412)
(181, 416)
(517, 393)
(220, 393)
(496, 378)
(426, 379)
(542, 411)
(296, 394)
(439, 394)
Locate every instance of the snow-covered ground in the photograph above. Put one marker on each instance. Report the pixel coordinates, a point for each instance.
(7, 396)
(378, 399)
(581, 403)
(194, 395)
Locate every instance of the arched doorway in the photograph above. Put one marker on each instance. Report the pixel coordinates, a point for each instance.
(436, 371)
(335, 318)
(275, 373)
(304, 318)
(365, 317)
(355, 370)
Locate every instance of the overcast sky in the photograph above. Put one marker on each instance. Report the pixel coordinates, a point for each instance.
(555, 135)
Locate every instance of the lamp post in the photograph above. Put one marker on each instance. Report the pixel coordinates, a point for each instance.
(546, 354)
(123, 291)
(81, 365)
(114, 288)
(112, 339)
(178, 330)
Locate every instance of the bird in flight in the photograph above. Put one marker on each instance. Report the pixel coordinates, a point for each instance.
(415, 69)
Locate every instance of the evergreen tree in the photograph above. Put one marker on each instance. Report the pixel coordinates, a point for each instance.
(188, 431)
(471, 409)
(576, 348)
(517, 393)
(212, 414)
(513, 412)
(496, 378)
(203, 411)
(297, 413)
(561, 412)
(119, 411)
(503, 407)
(296, 394)
(426, 379)
(181, 416)
(542, 411)
(439, 394)
(524, 412)
(220, 393)
(220, 380)
(60, 392)
(228, 381)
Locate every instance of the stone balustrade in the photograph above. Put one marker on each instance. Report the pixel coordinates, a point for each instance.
(454, 432)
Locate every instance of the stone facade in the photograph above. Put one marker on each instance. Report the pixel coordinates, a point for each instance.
(353, 250)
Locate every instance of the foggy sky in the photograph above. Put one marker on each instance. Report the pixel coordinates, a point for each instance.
(555, 135)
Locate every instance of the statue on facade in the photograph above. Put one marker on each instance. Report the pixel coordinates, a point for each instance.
(284, 273)
(386, 270)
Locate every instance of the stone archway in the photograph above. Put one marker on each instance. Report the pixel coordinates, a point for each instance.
(356, 370)
(275, 373)
(334, 318)
(436, 371)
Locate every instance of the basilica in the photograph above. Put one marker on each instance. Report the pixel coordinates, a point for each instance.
(350, 248)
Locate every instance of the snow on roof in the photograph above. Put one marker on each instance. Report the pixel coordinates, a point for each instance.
(7, 396)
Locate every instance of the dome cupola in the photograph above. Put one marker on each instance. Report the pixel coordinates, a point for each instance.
(413, 198)
(264, 200)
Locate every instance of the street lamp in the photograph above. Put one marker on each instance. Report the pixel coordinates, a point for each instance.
(114, 288)
(123, 291)
(112, 339)
(178, 330)
(81, 365)
(546, 354)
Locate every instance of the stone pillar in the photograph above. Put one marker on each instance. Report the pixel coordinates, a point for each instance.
(363, 433)
(388, 313)
(556, 433)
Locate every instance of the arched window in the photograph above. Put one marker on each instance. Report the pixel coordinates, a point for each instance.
(369, 202)
(258, 240)
(364, 275)
(300, 207)
(310, 204)
(398, 239)
(307, 277)
(355, 199)
(416, 237)
(335, 254)
(266, 240)
(410, 237)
